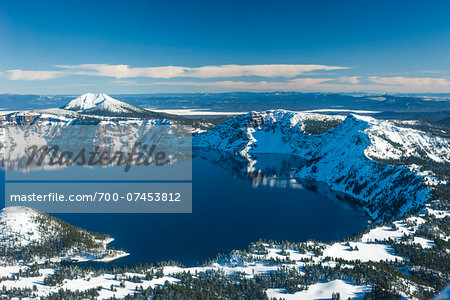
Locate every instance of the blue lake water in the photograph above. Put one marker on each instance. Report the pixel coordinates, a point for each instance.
(231, 208)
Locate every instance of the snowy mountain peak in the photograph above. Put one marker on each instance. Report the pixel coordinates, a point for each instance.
(89, 101)
(103, 105)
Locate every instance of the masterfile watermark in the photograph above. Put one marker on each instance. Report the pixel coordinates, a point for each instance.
(62, 167)
(55, 156)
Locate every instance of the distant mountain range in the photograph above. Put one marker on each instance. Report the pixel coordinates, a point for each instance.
(433, 107)
(94, 108)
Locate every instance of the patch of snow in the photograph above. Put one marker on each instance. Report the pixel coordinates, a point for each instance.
(196, 112)
(342, 111)
(324, 290)
(365, 252)
(21, 223)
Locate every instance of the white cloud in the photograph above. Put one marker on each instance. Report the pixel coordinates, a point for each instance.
(387, 84)
(34, 75)
(349, 79)
(412, 82)
(123, 71)
(167, 72)
(222, 71)
(257, 70)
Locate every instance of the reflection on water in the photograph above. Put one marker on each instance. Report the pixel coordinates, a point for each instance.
(273, 170)
(270, 170)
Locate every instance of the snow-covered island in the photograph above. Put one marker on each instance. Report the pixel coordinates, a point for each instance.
(397, 170)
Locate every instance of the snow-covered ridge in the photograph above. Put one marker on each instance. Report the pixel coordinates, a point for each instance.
(23, 230)
(349, 153)
(389, 141)
(264, 132)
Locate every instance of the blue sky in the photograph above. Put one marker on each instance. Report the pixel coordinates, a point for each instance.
(71, 47)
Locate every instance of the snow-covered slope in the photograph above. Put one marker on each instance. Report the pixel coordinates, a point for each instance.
(33, 236)
(265, 132)
(348, 153)
(19, 225)
(102, 104)
(90, 101)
